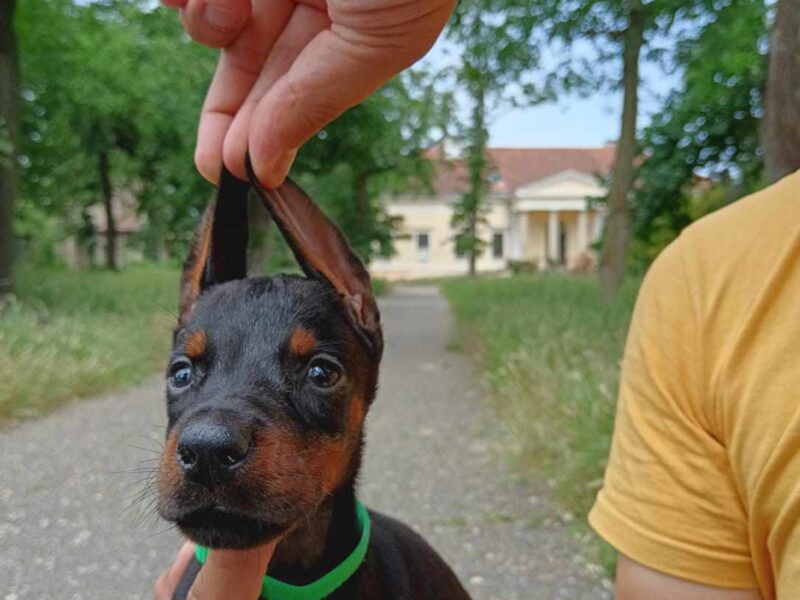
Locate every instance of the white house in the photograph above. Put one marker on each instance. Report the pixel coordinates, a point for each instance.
(538, 213)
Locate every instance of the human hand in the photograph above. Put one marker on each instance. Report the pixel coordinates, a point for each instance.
(226, 575)
(289, 67)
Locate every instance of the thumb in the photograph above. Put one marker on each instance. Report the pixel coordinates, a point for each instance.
(231, 574)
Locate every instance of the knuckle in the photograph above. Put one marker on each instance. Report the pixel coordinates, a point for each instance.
(307, 113)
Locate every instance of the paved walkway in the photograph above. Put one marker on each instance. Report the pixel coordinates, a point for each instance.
(65, 481)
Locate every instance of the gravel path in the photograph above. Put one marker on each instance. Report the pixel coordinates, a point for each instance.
(65, 480)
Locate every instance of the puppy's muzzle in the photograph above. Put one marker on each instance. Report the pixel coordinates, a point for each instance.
(210, 452)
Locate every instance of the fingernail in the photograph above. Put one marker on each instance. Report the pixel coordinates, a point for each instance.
(220, 17)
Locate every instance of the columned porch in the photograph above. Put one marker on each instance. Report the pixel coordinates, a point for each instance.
(553, 235)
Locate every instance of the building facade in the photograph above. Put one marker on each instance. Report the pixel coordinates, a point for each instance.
(539, 213)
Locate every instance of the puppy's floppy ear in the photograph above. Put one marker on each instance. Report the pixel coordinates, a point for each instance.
(323, 253)
(219, 248)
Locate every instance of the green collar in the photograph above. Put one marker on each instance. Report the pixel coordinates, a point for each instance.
(273, 589)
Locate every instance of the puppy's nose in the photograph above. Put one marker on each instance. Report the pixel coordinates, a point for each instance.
(208, 452)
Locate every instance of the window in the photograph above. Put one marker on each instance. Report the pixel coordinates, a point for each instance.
(423, 242)
(497, 244)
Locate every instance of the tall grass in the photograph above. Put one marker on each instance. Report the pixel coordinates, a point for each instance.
(77, 333)
(551, 351)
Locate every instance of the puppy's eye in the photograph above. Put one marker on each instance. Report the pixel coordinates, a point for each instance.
(323, 373)
(180, 375)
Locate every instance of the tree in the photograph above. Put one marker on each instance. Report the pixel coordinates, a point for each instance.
(615, 28)
(9, 69)
(615, 241)
(781, 133)
(117, 111)
(709, 125)
(497, 59)
(80, 111)
(372, 149)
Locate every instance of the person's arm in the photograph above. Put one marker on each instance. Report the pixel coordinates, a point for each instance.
(635, 582)
(670, 499)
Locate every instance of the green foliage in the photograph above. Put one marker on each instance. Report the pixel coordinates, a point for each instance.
(497, 59)
(522, 267)
(551, 355)
(372, 149)
(126, 83)
(709, 126)
(588, 36)
(78, 333)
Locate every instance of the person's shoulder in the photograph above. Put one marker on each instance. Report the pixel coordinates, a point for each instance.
(749, 232)
(721, 262)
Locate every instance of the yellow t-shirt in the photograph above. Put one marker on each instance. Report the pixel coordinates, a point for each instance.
(703, 480)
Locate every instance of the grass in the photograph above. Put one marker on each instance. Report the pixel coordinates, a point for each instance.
(71, 334)
(551, 351)
(77, 333)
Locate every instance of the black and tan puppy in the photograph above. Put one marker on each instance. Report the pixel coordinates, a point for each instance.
(268, 385)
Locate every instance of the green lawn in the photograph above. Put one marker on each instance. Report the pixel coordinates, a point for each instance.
(77, 333)
(551, 350)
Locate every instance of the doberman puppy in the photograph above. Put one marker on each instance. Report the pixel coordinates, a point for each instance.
(268, 384)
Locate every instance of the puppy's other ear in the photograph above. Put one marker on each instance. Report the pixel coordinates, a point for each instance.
(218, 252)
(323, 253)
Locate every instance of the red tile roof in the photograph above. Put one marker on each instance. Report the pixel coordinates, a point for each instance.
(519, 166)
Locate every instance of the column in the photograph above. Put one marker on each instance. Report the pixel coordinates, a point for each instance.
(522, 234)
(552, 236)
(512, 235)
(583, 231)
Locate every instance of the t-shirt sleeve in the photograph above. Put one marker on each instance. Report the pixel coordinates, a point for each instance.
(669, 500)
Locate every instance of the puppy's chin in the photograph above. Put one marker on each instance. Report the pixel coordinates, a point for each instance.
(215, 528)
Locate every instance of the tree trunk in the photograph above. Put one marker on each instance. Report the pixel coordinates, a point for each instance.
(9, 94)
(617, 229)
(477, 173)
(780, 130)
(473, 253)
(111, 226)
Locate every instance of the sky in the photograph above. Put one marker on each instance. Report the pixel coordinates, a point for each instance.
(574, 121)
(571, 121)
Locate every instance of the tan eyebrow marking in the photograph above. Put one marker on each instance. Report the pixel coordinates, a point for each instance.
(196, 344)
(302, 342)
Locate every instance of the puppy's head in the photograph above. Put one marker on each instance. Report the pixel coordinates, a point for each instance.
(269, 378)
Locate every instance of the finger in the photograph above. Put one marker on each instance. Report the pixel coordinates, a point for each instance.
(303, 26)
(215, 23)
(239, 67)
(337, 70)
(232, 574)
(169, 579)
(326, 78)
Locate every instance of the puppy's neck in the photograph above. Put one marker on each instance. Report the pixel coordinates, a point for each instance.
(319, 545)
